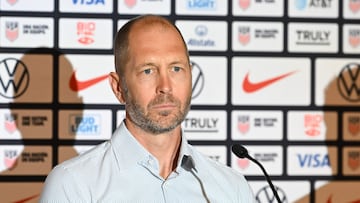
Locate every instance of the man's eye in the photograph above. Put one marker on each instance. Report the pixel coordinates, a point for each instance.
(176, 68)
(147, 71)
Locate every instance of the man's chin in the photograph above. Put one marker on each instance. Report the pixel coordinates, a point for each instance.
(163, 127)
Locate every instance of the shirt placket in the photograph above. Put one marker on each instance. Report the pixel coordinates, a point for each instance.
(151, 165)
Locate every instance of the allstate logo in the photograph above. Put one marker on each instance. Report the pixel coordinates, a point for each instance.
(300, 4)
(201, 30)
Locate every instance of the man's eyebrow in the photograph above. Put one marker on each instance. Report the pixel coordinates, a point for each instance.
(145, 64)
(178, 62)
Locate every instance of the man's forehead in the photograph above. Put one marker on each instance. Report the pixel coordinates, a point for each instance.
(145, 26)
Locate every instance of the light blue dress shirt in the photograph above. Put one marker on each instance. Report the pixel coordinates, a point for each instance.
(121, 170)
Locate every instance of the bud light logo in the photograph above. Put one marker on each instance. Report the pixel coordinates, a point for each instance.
(85, 124)
(201, 4)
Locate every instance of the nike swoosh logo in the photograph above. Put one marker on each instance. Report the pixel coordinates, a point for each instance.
(76, 85)
(26, 199)
(250, 87)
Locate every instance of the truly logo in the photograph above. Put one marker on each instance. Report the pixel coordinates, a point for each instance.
(313, 37)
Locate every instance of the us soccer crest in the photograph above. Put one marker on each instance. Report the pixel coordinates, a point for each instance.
(10, 158)
(243, 124)
(10, 123)
(354, 160)
(244, 4)
(244, 35)
(12, 30)
(354, 38)
(354, 5)
(354, 125)
(12, 2)
(130, 3)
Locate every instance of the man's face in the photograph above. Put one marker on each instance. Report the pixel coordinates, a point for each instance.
(158, 79)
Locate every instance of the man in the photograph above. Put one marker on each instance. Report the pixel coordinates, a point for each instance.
(148, 158)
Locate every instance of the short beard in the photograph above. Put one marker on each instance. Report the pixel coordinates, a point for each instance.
(152, 125)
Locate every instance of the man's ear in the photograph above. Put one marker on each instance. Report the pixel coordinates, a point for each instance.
(114, 81)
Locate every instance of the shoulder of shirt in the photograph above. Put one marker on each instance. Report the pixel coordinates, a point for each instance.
(86, 158)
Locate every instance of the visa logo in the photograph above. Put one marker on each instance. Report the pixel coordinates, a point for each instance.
(88, 2)
(201, 4)
(313, 160)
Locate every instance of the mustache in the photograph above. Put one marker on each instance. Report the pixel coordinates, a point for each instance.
(161, 99)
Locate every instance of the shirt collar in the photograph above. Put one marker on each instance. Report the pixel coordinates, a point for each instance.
(184, 150)
(129, 152)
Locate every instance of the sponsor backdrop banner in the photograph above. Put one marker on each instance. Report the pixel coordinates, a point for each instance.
(280, 77)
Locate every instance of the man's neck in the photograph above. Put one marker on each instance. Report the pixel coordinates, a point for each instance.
(165, 147)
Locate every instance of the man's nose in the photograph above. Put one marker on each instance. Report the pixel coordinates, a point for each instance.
(164, 84)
